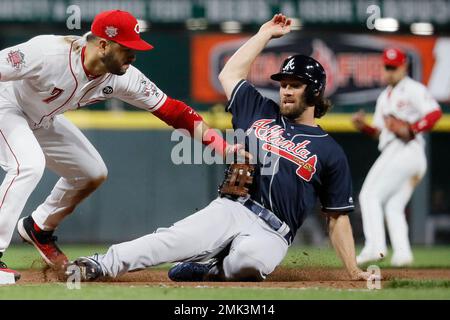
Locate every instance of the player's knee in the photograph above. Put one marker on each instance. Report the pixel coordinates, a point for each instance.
(33, 168)
(242, 267)
(363, 195)
(393, 209)
(101, 172)
(95, 182)
(366, 196)
(92, 184)
(97, 175)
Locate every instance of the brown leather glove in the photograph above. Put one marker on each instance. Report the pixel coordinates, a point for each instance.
(238, 179)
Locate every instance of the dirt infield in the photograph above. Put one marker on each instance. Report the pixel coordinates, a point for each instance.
(282, 277)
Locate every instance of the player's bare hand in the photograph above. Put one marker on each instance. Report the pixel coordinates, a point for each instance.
(400, 128)
(359, 119)
(277, 27)
(358, 275)
(238, 150)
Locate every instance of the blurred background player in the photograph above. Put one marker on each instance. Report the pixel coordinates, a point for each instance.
(404, 110)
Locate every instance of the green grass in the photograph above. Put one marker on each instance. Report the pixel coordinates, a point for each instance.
(418, 284)
(105, 292)
(424, 257)
(22, 257)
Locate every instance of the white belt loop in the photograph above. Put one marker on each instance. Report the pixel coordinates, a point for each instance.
(284, 229)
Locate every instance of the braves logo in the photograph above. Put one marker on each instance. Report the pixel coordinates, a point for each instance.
(294, 152)
(16, 59)
(289, 66)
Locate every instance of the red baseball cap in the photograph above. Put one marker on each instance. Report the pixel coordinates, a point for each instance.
(121, 27)
(394, 57)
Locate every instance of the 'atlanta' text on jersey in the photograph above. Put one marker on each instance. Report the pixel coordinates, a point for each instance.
(296, 164)
(276, 143)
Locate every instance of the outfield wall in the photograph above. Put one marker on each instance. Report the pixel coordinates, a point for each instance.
(145, 190)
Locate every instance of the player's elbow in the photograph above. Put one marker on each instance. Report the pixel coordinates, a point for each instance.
(228, 76)
(223, 77)
(229, 80)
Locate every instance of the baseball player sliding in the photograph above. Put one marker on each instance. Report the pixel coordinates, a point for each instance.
(40, 80)
(245, 233)
(404, 110)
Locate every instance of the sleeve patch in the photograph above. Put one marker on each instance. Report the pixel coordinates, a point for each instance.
(16, 59)
(148, 88)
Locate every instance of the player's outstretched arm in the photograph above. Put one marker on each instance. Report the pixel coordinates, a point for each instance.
(181, 116)
(238, 66)
(341, 237)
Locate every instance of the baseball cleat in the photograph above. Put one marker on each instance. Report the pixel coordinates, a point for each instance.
(7, 276)
(43, 241)
(365, 257)
(88, 267)
(402, 261)
(189, 271)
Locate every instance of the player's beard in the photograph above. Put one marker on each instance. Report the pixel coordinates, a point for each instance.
(293, 112)
(112, 65)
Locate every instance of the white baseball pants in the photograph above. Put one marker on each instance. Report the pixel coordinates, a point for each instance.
(25, 153)
(386, 192)
(201, 236)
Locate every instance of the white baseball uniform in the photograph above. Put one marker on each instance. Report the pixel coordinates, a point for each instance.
(40, 80)
(394, 175)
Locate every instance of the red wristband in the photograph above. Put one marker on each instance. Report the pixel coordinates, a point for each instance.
(178, 115)
(215, 141)
(427, 122)
(369, 130)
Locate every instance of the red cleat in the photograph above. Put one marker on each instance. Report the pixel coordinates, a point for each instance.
(43, 241)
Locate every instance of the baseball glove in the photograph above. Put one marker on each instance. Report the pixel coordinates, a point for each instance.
(238, 179)
(400, 128)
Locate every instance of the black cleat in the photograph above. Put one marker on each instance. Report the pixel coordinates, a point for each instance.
(189, 271)
(88, 267)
